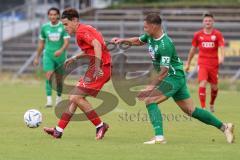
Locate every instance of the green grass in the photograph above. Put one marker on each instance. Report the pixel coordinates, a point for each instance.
(187, 138)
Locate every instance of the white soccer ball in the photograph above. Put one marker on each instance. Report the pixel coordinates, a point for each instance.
(33, 118)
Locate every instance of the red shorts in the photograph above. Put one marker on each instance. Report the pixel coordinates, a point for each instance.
(90, 86)
(209, 74)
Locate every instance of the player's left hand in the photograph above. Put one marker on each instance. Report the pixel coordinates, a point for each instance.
(221, 60)
(58, 53)
(97, 73)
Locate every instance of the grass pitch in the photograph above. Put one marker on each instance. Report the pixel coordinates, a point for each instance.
(129, 127)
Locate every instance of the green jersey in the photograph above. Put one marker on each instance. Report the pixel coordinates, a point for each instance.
(54, 36)
(163, 53)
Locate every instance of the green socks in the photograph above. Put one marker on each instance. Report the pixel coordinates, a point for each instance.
(206, 117)
(155, 116)
(49, 88)
(48, 85)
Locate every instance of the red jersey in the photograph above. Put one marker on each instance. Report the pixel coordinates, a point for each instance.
(208, 47)
(85, 34)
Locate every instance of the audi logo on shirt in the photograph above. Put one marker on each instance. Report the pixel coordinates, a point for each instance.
(208, 44)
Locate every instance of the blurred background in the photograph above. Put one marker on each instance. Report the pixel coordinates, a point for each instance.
(20, 21)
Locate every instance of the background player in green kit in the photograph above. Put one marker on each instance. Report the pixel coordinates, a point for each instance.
(53, 41)
(169, 81)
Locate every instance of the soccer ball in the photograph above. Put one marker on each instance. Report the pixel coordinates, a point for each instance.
(32, 118)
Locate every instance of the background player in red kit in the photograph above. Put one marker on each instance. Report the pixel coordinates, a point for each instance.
(92, 44)
(210, 43)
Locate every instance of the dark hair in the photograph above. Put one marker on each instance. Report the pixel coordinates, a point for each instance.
(54, 9)
(208, 14)
(153, 18)
(70, 13)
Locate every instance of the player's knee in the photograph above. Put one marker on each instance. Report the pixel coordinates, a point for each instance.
(73, 98)
(203, 83)
(48, 75)
(149, 101)
(214, 87)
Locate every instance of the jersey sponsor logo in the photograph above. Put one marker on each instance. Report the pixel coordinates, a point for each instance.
(165, 60)
(201, 38)
(208, 44)
(54, 36)
(213, 37)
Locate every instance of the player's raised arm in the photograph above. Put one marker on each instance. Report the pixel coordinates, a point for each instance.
(191, 54)
(135, 41)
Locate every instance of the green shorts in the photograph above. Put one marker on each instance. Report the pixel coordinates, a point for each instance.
(55, 64)
(175, 87)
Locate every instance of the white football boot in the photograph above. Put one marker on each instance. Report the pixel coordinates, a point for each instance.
(228, 132)
(156, 140)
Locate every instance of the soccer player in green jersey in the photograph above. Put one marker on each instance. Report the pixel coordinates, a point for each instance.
(53, 41)
(169, 81)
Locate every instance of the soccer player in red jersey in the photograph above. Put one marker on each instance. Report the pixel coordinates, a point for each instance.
(210, 43)
(92, 44)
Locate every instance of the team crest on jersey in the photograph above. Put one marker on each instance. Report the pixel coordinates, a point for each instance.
(213, 37)
(59, 29)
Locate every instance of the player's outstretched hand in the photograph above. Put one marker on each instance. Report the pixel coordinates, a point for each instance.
(116, 40)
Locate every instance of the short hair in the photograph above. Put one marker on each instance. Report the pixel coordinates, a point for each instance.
(70, 13)
(208, 14)
(153, 18)
(53, 9)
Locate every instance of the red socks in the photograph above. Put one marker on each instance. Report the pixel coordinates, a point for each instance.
(63, 122)
(213, 96)
(202, 96)
(94, 118)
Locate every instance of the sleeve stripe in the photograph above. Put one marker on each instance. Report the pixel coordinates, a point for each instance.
(164, 66)
(66, 37)
(140, 39)
(40, 37)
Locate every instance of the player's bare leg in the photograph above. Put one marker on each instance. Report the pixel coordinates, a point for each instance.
(214, 91)
(202, 93)
(48, 86)
(206, 117)
(152, 99)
